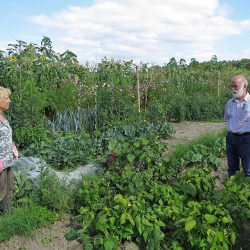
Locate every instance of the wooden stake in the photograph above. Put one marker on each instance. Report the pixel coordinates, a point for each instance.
(138, 88)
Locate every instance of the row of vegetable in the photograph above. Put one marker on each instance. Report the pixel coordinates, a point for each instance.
(137, 199)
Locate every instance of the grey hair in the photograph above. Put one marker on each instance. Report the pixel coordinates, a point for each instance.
(243, 79)
(4, 92)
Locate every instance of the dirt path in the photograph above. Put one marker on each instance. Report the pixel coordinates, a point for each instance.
(53, 239)
(44, 239)
(187, 131)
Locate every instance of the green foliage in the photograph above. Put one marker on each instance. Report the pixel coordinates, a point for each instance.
(203, 153)
(49, 191)
(63, 150)
(25, 136)
(72, 120)
(140, 153)
(53, 193)
(151, 213)
(27, 104)
(44, 83)
(63, 97)
(235, 197)
(197, 184)
(158, 110)
(163, 130)
(131, 201)
(197, 107)
(69, 150)
(130, 205)
(204, 225)
(23, 188)
(118, 218)
(24, 220)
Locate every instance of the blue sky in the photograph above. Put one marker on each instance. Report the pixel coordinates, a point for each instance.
(142, 30)
(15, 16)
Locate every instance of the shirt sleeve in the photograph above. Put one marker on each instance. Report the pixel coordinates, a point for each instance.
(6, 155)
(226, 110)
(7, 161)
(6, 158)
(225, 113)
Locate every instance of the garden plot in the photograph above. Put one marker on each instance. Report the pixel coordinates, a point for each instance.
(53, 238)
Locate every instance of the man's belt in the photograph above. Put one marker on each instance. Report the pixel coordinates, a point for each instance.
(238, 134)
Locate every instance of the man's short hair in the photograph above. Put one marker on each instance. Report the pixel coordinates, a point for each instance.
(243, 79)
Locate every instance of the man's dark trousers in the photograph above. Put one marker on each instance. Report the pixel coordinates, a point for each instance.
(238, 147)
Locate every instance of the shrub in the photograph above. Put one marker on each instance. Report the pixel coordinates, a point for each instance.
(53, 193)
(25, 136)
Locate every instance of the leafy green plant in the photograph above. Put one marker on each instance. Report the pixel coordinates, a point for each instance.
(235, 197)
(64, 150)
(205, 226)
(152, 214)
(23, 188)
(200, 153)
(25, 136)
(196, 184)
(163, 130)
(141, 153)
(128, 204)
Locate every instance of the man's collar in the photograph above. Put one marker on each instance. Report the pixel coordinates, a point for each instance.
(246, 98)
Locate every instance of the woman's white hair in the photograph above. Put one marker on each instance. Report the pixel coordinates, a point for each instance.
(4, 92)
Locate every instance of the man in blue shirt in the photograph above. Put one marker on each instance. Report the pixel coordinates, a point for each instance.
(237, 115)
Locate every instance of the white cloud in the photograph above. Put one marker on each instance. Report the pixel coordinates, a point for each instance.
(4, 44)
(240, 54)
(142, 29)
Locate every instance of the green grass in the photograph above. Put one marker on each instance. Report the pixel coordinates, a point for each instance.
(207, 140)
(38, 207)
(219, 120)
(25, 220)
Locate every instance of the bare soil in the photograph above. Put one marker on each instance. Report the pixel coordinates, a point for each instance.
(53, 238)
(221, 174)
(187, 131)
(44, 239)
